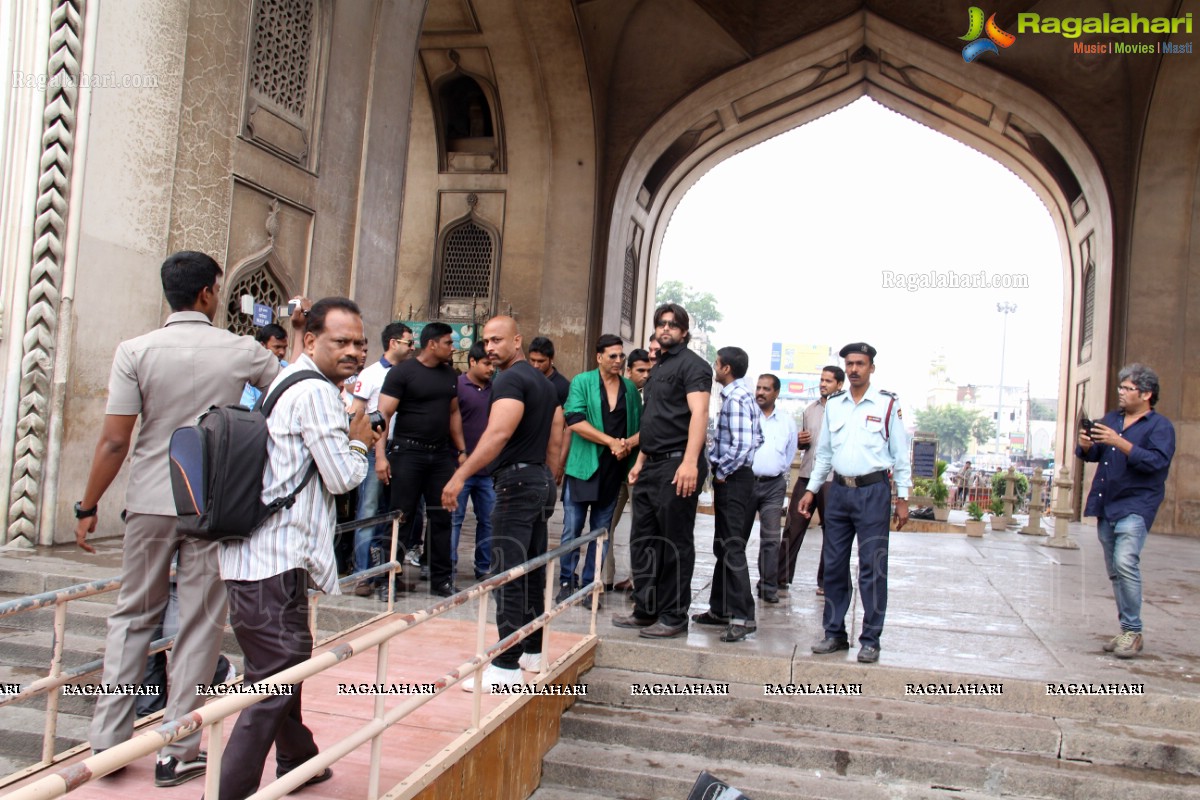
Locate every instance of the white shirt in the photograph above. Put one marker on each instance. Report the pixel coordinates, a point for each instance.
(778, 449)
(308, 423)
(369, 382)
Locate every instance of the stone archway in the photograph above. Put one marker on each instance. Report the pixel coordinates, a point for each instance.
(864, 55)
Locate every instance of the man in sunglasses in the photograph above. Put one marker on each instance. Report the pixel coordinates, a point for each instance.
(1133, 446)
(666, 480)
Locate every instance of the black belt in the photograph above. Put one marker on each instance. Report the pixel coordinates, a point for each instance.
(765, 478)
(856, 482)
(405, 444)
(515, 466)
(652, 457)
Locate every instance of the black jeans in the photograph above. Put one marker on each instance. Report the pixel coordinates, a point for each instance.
(731, 595)
(417, 473)
(662, 552)
(525, 498)
(793, 534)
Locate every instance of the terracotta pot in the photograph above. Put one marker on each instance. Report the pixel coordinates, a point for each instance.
(975, 527)
(999, 522)
(941, 514)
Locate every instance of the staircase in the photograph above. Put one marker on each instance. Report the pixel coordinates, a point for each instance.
(882, 744)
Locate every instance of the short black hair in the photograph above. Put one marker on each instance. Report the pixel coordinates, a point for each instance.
(736, 359)
(393, 330)
(837, 372)
(320, 309)
(477, 352)
(606, 341)
(681, 317)
(434, 330)
(184, 275)
(542, 345)
(268, 332)
(637, 354)
(774, 380)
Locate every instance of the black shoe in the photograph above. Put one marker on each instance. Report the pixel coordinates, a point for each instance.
(633, 621)
(320, 777)
(736, 632)
(709, 618)
(868, 654)
(173, 772)
(446, 589)
(830, 644)
(770, 596)
(565, 590)
(661, 630)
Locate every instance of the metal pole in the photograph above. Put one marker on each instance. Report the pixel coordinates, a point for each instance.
(1005, 309)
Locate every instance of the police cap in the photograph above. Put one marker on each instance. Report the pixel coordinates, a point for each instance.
(858, 347)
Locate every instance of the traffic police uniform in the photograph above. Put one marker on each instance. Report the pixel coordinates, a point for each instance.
(860, 442)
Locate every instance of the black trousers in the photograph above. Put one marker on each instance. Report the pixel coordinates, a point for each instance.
(733, 501)
(270, 619)
(793, 534)
(525, 499)
(417, 473)
(662, 552)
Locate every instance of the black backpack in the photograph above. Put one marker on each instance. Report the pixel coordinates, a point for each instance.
(218, 464)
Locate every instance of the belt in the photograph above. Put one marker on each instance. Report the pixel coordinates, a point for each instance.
(855, 482)
(765, 478)
(403, 444)
(515, 466)
(652, 457)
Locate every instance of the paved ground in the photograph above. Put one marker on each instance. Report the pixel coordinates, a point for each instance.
(1004, 605)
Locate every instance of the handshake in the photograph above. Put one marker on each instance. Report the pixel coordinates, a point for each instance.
(620, 448)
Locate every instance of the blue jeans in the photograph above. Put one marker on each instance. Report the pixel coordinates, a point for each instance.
(483, 498)
(372, 500)
(1122, 541)
(574, 515)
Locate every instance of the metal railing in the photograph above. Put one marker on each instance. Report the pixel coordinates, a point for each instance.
(51, 684)
(213, 714)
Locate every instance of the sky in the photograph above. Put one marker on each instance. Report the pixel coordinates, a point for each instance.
(840, 202)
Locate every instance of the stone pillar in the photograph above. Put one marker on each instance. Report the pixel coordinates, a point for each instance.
(1034, 526)
(1062, 513)
(1010, 497)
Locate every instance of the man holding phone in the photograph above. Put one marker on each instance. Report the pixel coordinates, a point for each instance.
(1133, 446)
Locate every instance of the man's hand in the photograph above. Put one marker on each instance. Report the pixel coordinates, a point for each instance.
(1102, 434)
(901, 515)
(1085, 441)
(685, 479)
(804, 439)
(300, 316)
(383, 470)
(634, 471)
(805, 507)
(361, 430)
(557, 472)
(618, 448)
(82, 528)
(451, 491)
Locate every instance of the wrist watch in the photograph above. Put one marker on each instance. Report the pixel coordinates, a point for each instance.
(84, 513)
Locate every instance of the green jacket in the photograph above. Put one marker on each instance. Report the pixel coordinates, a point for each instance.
(584, 458)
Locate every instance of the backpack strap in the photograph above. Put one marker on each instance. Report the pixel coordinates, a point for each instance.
(266, 404)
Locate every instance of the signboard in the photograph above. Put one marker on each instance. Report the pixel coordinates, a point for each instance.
(262, 315)
(802, 358)
(924, 458)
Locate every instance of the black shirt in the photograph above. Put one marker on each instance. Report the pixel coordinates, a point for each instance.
(528, 442)
(606, 483)
(424, 395)
(561, 385)
(665, 415)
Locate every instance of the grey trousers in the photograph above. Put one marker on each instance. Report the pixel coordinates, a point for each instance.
(767, 503)
(150, 542)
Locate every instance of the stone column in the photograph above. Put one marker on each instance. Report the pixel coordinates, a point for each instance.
(1062, 513)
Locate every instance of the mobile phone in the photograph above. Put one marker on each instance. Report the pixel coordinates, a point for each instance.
(1086, 424)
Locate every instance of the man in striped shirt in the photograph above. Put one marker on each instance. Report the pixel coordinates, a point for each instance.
(269, 573)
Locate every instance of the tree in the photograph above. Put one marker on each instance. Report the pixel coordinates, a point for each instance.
(954, 426)
(983, 430)
(701, 307)
(1043, 409)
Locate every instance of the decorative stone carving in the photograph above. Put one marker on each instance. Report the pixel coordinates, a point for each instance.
(45, 280)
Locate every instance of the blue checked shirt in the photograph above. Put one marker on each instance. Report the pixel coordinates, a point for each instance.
(739, 431)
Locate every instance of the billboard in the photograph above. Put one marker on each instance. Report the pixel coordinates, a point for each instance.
(800, 358)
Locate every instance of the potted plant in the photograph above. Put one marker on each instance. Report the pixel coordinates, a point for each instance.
(999, 523)
(974, 519)
(940, 493)
(920, 495)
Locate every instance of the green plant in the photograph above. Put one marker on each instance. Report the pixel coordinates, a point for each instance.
(922, 487)
(997, 506)
(974, 511)
(939, 492)
(1021, 487)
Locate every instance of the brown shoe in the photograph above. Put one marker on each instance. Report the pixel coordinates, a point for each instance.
(633, 621)
(660, 630)
(623, 586)
(1129, 644)
(364, 589)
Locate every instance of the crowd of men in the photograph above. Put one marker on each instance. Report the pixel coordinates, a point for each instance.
(505, 436)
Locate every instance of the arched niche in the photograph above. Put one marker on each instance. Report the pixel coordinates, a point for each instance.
(466, 111)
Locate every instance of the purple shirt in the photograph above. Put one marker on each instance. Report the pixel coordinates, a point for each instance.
(473, 403)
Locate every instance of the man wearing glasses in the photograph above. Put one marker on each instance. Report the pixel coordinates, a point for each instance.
(397, 341)
(1133, 447)
(603, 412)
(665, 480)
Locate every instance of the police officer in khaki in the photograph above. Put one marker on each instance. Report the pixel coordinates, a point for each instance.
(862, 440)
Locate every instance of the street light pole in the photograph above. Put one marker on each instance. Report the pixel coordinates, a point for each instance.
(1004, 308)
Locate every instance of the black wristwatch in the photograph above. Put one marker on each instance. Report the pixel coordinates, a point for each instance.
(84, 513)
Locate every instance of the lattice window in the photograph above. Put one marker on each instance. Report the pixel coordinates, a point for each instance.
(467, 259)
(283, 44)
(1087, 315)
(259, 283)
(628, 286)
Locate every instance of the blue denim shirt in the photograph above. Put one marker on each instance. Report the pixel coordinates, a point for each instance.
(1132, 484)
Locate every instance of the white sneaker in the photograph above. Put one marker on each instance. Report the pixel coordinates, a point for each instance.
(231, 676)
(493, 676)
(531, 662)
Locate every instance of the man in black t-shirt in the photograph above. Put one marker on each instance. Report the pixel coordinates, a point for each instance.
(522, 437)
(541, 357)
(427, 441)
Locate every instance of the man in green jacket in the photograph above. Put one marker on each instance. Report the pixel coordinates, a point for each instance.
(603, 412)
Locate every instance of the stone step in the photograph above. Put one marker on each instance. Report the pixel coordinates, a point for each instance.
(774, 745)
(33, 649)
(1154, 709)
(633, 773)
(23, 729)
(546, 792)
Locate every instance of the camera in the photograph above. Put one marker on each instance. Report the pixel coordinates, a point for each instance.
(377, 422)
